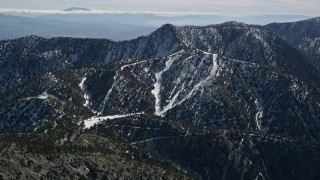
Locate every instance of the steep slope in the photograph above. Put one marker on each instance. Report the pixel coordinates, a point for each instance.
(25, 58)
(211, 89)
(88, 156)
(215, 153)
(304, 35)
(214, 116)
(249, 43)
(236, 41)
(43, 103)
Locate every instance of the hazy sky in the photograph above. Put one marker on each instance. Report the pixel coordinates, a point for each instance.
(223, 7)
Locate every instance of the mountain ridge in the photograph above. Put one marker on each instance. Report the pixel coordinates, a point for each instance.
(302, 34)
(227, 101)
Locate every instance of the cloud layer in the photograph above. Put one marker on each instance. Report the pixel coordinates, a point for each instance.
(226, 7)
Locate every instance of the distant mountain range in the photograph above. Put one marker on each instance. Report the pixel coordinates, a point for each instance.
(14, 27)
(115, 26)
(77, 9)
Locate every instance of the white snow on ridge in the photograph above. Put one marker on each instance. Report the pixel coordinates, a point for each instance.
(98, 119)
(259, 114)
(157, 86)
(215, 64)
(85, 95)
(212, 74)
(132, 64)
(259, 103)
(159, 110)
(42, 96)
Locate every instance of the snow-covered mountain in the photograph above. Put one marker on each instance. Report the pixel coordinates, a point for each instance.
(25, 58)
(233, 99)
(212, 89)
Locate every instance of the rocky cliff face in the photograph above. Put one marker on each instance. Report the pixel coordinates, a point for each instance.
(216, 102)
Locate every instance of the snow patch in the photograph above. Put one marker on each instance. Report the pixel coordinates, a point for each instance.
(132, 64)
(98, 119)
(85, 94)
(259, 114)
(213, 73)
(161, 111)
(48, 55)
(43, 96)
(157, 87)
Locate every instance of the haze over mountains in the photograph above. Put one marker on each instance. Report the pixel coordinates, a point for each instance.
(82, 22)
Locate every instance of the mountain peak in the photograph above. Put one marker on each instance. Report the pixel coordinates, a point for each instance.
(76, 9)
(31, 37)
(233, 23)
(168, 26)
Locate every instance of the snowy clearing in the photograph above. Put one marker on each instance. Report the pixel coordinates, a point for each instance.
(98, 119)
